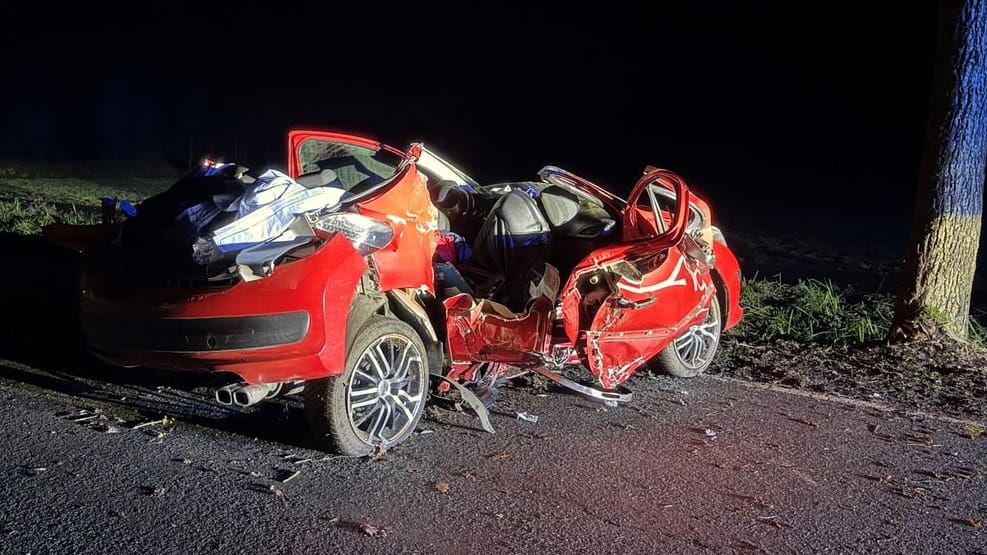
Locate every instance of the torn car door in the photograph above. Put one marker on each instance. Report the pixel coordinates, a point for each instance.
(364, 169)
(486, 331)
(624, 303)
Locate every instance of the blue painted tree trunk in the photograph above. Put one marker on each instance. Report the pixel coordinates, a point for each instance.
(937, 277)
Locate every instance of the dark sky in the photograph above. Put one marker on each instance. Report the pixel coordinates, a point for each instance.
(771, 98)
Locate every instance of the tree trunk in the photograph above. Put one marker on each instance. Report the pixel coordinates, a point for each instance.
(937, 278)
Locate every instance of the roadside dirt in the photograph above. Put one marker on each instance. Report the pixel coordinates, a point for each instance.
(932, 376)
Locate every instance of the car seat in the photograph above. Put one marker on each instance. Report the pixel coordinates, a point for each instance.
(514, 242)
(451, 200)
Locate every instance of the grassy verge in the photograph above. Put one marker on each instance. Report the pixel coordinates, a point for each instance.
(811, 311)
(28, 204)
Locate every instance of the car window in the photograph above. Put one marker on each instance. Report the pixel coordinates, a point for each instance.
(352, 165)
(667, 203)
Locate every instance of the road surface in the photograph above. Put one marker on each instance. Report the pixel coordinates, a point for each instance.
(124, 465)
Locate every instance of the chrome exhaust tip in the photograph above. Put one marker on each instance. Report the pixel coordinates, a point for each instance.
(224, 395)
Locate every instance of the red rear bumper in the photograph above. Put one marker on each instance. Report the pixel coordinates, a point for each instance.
(289, 326)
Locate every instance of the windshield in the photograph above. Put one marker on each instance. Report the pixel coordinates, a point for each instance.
(344, 165)
(441, 170)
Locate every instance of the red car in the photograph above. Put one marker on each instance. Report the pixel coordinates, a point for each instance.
(373, 268)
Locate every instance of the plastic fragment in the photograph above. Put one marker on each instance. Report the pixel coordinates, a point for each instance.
(527, 417)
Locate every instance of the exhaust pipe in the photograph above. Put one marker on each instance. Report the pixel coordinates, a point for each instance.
(224, 395)
(247, 395)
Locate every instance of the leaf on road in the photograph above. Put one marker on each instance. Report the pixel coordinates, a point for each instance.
(973, 431)
(912, 493)
(379, 453)
(963, 472)
(291, 476)
(371, 530)
(166, 421)
(442, 487)
(105, 426)
(971, 522)
(773, 520)
(748, 545)
(919, 438)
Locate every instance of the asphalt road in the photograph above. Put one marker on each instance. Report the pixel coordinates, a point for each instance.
(703, 465)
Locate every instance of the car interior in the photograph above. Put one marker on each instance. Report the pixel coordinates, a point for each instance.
(515, 229)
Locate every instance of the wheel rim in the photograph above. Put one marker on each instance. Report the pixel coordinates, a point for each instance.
(697, 345)
(387, 390)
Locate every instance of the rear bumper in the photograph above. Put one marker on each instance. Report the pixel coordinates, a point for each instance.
(290, 326)
(191, 335)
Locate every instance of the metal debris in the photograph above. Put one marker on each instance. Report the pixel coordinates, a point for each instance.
(527, 417)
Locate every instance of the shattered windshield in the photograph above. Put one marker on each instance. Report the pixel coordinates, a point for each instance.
(344, 165)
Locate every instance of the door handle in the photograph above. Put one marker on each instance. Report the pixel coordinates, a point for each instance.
(623, 302)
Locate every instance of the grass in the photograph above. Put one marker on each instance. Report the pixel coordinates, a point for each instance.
(28, 204)
(812, 311)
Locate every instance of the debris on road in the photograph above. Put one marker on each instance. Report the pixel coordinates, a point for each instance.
(973, 431)
(971, 522)
(154, 491)
(163, 421)
(379, 453)
(33, 470)
(772, 520)
(372, 530)
(292, 476)
(442, 487)
(527, 417)
(104, 426)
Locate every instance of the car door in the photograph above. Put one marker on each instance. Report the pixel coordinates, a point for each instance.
(626, 302)
(621, 305)
(385, 185)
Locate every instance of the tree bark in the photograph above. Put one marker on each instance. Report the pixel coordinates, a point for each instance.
(937, 278)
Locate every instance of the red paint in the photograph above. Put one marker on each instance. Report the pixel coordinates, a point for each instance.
(618, 324)
(320, 284)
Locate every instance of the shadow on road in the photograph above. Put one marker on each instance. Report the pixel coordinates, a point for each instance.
(45, 348)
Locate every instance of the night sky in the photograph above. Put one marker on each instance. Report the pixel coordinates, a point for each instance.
(822, 104)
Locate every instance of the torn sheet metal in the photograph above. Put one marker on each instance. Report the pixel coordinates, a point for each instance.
(486, 331)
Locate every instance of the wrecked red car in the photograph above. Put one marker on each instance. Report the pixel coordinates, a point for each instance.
(366, 272)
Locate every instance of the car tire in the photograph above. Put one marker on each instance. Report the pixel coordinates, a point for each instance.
(691, 353)
(379, 398)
